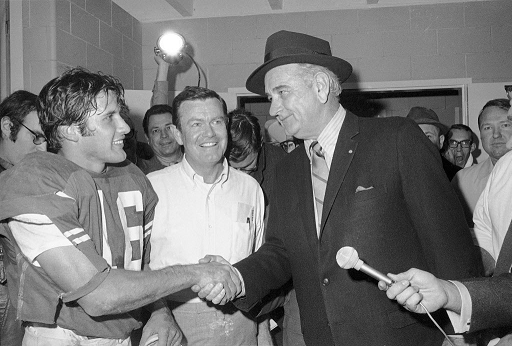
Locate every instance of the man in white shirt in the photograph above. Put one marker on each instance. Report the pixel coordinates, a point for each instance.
(495, 131)
(205, 207)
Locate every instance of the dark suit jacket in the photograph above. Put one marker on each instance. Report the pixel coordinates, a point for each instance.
(491, 300)
(268, 158)
(409, 216)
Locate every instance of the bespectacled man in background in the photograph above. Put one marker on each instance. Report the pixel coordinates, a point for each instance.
(21, 135)
(459, 145)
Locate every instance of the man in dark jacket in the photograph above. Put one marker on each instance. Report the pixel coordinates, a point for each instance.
(21, 134)
(384, 194)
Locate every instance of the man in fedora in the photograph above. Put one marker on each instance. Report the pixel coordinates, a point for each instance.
(429, 123)
(385, 195)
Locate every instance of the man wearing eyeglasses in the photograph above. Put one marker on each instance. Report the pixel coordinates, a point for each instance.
(21, 134)
(459, 145)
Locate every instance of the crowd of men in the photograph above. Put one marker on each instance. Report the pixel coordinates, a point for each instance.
(197, 236)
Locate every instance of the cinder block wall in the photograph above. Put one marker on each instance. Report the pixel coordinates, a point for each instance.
(96, 34)
(441, 41)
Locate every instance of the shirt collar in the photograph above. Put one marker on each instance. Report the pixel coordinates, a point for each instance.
(189, 171)
(329, 136)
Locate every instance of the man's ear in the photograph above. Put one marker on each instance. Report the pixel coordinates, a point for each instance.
(177, 134)
(473, 147)
(441, 141)
(70, 132)
(322, 86)
(5, 124)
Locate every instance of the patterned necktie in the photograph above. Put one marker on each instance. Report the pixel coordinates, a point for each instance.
(319, 174)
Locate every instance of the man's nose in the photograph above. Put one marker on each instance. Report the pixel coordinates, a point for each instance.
(274, 108)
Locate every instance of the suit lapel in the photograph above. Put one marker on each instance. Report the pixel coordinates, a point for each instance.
(343, 154)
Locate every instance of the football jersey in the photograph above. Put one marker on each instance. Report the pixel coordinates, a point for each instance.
(107, 216)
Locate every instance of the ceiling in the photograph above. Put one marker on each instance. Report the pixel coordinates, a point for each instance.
(147, 11)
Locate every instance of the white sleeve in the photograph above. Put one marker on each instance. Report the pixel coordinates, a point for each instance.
(461, 323)
(259, 219)
(482, 232)
(35, 234)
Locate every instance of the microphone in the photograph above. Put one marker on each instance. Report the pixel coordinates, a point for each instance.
(348, 258)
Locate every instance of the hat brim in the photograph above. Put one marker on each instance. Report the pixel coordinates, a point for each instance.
(440, 126)
(341, 68)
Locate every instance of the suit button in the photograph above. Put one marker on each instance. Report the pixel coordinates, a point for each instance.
(325, 281)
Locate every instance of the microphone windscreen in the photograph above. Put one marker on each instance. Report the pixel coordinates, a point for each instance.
(347, 257)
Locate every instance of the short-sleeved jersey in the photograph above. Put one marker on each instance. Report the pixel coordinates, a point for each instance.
(107, 216)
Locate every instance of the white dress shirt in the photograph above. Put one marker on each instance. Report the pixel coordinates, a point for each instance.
(327, 139)
(193, 218)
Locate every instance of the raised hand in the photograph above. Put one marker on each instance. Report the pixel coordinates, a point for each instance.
(159, 58)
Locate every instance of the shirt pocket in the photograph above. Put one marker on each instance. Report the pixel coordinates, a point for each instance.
(243, 232)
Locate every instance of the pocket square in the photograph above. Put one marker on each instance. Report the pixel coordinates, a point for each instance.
(362, 188)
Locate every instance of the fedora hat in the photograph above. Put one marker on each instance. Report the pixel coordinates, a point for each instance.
(286, 47)
(422, 115)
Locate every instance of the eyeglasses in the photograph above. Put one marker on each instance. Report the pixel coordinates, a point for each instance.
(39, 138)
(452, 143)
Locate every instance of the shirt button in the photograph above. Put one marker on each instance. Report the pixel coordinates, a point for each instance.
(325, 281)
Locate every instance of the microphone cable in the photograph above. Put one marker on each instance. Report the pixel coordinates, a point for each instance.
(437, 325)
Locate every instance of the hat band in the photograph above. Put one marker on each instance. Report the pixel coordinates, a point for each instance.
(285, 51)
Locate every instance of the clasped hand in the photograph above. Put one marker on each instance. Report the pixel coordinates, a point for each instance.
(219, 281)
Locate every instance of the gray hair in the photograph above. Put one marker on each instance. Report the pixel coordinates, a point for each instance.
(308, 71)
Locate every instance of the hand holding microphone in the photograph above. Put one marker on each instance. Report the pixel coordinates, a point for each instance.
(348, 258)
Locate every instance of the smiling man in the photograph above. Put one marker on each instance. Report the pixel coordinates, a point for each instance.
(372, 183)
(80, 221)
(495, 130)
(157, 124)
(205, 207)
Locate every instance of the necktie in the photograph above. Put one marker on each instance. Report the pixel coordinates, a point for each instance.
(319, 175)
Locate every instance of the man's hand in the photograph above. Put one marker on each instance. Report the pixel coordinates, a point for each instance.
(162, 323)
(417, 286)
(159, 58)
(217, 282)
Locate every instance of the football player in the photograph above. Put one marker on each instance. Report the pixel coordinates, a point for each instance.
(81, 222)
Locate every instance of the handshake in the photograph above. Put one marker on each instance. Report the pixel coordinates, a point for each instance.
(218, 281)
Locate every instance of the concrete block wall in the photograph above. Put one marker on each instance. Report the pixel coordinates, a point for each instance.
(441, 41)
(96, 34)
